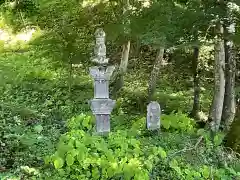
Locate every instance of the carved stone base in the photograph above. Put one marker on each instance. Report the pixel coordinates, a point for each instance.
(102, 106)
(103, 123)
(153, 126)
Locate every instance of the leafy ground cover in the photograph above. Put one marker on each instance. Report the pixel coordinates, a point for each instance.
(48, 132)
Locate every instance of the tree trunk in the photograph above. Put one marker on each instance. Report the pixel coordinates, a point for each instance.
(233, 136)
(154, 74)
(70, 77)
(124, 59)
(196, 85)
(215, 114)
(229, 106)
(119, 79)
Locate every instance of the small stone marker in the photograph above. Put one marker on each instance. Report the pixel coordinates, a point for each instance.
(101, 105)
(153, 115)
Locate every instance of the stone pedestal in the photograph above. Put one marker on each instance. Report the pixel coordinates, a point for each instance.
(101, 105)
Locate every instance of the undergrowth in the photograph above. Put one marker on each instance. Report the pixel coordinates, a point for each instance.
(48, 131)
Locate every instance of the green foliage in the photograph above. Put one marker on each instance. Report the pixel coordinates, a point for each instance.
(232, 137)
(82, 121)
(195, 162)
(120, 155)
(35, 101)
(17, 139)
(177, 121)
(201, 172)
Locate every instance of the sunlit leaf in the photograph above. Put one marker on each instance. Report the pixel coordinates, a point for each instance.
(162, 153)
(165, 124)
(205, 172)
(58, 163)
(69, 159)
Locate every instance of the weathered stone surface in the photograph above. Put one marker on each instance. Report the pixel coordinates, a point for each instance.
(101, 80)
(101, 88)
(101, 73)
(100, 47)
(153, 115)
(102, 106)
(103, 123)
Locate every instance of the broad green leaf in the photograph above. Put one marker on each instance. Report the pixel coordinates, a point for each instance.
(109, 156)
(148, 164)
(150, 157)
(178, 170)
(87, 140)
(162, 153)
(217, 140)
(134, 142)
(62, 149)
(58, 163)
(85, 122)
(38, 128)
(69, 159)
(88, 174)
(205, 172)
(175, 124)
(110, 172)
(81, 147)
(173, 163)
(74, 152)
(187, 171)
(166, 124)
(80, 156)
(197, 174)
(95, 173)
(47, 159)
(78, 143)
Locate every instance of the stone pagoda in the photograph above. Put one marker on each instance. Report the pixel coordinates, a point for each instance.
(101, 105)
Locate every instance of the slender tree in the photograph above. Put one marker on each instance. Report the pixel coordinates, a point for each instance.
(215, 114)
(119, 82)
(196, 84)
(229, 109)
(154, 73)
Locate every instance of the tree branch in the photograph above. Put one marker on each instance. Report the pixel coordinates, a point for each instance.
(189, 149)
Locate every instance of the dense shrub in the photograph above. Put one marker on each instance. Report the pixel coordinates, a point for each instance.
(83, 156)
(178, 121)
(125, 154)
